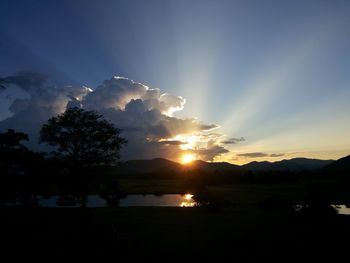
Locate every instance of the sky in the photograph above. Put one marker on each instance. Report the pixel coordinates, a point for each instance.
(235, 81)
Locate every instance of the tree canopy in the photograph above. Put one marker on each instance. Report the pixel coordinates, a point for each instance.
(12, 140)
(15, 158)
(83, 138)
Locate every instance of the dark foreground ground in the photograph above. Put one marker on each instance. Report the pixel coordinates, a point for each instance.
(163, 234)
(254, 223)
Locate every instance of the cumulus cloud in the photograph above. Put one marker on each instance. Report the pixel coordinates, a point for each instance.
(144, 114)
(119, 92)
(42, 102)
(259, 154)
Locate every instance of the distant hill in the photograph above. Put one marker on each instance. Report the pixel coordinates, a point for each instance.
(163, 165)
(341, 165)
(160, 165)
(257, 166)
(295, 164)
(212, 167)
(150, 166)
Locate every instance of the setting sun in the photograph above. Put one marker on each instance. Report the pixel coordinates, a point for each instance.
(188, 158)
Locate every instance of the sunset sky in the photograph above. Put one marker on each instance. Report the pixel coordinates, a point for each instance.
(235, 81)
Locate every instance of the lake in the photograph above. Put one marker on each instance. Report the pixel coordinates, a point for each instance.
(341, 209)
(137, 200)
(94, 201)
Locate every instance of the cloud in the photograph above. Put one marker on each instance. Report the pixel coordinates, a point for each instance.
(120, 92)
(210, 153)
(233, 140)
(171, 142)
(259, 155)
(277, 154)
(253, 155)
(2, 85)
(42, 102)
(144, 114)
(31, 82)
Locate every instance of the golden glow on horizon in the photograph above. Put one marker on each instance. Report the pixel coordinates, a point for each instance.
(188, 158)
(322, 155)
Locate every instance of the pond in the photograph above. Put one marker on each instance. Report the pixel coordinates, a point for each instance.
(341, 209)
(94, 201)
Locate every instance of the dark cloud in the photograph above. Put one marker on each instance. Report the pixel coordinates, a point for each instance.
(233, 140)
(30, 82)
(208, 154)
(259, 154)
(2, 85)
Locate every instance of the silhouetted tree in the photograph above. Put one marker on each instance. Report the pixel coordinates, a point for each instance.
(83, 140)
(12, 140)
(18, 166)
(12, 151)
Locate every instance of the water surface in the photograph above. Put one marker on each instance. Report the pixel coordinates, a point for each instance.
(94, 201)
(341, 209)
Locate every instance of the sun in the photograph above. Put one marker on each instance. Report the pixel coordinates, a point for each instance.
(188, 158)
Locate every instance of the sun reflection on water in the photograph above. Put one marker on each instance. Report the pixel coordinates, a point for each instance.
(187, 201)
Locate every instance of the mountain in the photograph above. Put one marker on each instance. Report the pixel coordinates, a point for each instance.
(341, 165)
(257, 166)
(295, 164)
(212, 167)
(163, 165)
(150, 166)
(160, 165)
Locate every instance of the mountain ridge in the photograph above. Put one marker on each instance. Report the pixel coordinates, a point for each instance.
(165, 165)
(340, 165)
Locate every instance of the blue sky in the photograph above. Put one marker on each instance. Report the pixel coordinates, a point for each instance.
(273, 72)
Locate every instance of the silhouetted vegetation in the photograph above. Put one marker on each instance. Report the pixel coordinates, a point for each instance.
(317, 202)
(13, 153)
(278, 203)
(20, 168)
(84, 143)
